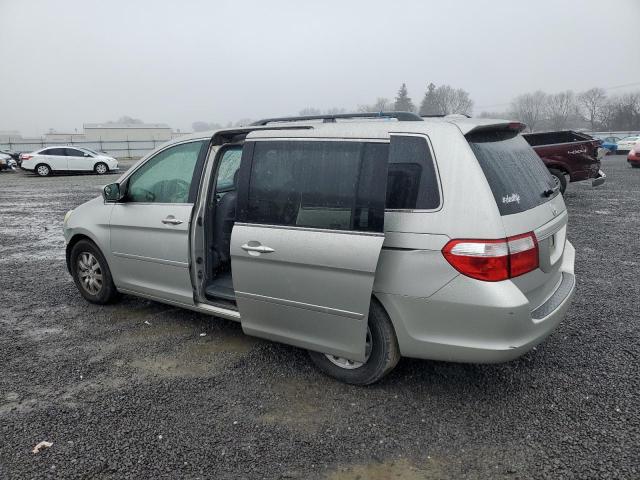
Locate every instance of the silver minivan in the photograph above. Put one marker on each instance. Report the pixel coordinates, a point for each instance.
(359, 239)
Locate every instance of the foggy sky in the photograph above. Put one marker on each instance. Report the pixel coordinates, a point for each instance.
(66, 63)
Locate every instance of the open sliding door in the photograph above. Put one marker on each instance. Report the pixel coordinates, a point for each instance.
(306, 243)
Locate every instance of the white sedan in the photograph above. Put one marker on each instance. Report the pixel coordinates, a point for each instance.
(67, 159)
(627, 143)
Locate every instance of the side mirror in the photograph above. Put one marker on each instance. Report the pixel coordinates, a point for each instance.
(86, 155)
(111, 192)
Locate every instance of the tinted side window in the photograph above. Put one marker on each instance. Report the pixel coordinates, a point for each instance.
(412, 182)
(72, 152)
(56, 151)
(166, 177)
(319, 184)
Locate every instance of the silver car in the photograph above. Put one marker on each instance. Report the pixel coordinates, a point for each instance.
(360, 240)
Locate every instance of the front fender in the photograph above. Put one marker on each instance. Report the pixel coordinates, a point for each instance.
(89, 220)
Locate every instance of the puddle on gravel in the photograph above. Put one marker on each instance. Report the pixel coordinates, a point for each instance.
(197, 356)
(298, 405)
(400, 469)
(43, 332)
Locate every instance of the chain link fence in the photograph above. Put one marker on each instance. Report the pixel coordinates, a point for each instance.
(115, 148)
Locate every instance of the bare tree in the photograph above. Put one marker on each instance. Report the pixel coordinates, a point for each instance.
(128, 120)
(529, 108)
(591, 104)
(200, 126)
(450, 100)
(335, 111)
(559, 108)
(309, 111)
(622, 112)
(382, 105)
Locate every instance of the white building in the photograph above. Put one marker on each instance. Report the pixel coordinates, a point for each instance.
(59, 137)
(127, 131)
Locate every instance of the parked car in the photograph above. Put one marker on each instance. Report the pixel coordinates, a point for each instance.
(12, 154)
(360, 241)
(6, 162)
(627, 143)
(634, 155)
(569, 154)
(67, 159)
(610, 143)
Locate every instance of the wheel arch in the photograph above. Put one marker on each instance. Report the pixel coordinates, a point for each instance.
(393, 315)
(72, 243)
(100, 162)
(47, 164)
(558, 166)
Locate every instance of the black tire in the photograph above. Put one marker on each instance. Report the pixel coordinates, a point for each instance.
(384, 355)
(560, 175)
(42, 170)
(100, 168)
(107, 292)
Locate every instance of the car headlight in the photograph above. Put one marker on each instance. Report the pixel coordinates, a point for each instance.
(66, 216)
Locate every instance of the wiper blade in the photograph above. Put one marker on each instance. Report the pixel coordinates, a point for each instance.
(551, 191)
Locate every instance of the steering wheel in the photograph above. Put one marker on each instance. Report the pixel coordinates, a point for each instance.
(180, 190)
(136, 193)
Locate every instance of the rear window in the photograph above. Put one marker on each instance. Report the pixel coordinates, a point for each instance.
(517, 176)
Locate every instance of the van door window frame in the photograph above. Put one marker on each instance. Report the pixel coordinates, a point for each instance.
(244, 182)
(436, 172)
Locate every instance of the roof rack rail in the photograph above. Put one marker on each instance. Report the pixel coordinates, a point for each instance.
(331, 118)
(445, 115)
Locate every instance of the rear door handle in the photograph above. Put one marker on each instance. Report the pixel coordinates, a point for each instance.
(257, 248)
(171, 220)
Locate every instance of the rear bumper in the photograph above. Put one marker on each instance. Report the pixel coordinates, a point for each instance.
(600, 179)
(479, 322)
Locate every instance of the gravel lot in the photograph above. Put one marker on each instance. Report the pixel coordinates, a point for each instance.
(133, 391)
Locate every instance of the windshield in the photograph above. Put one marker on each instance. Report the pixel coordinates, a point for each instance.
(517, 176)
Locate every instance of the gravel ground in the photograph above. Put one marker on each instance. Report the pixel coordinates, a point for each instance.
(134, 391)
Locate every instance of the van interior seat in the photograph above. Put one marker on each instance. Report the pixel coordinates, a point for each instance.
(225, 216)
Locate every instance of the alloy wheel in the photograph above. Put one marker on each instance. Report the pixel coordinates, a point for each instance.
(350, 364)
(89, 273)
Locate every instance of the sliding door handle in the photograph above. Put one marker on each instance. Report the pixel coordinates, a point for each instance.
(171, 220)
(257, 248)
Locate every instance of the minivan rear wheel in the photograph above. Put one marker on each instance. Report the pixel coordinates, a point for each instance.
(91, 273)
(381, 353)
(562, 179)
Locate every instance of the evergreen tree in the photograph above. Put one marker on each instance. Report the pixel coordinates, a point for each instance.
(403, 103)
(429, 105)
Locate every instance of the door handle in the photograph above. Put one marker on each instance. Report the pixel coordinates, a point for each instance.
(171, 220)
(257, 248)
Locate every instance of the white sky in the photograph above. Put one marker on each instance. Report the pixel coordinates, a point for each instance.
(68, 62)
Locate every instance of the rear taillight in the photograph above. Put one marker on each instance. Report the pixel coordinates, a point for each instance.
(24, 156)
(493, 260)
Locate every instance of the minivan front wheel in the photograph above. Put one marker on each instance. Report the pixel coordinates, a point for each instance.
(381, 353)
(91, 273)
